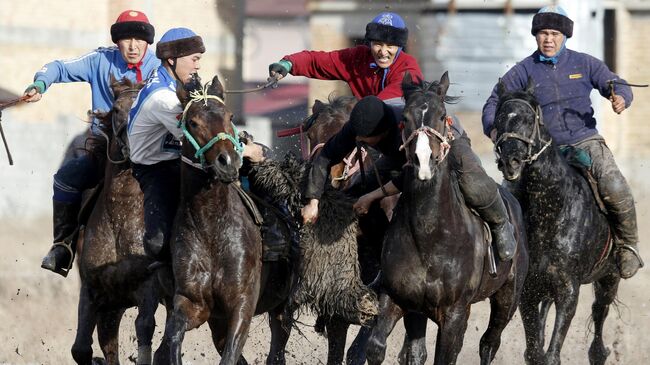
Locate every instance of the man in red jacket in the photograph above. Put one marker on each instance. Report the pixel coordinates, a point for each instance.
(373, 69)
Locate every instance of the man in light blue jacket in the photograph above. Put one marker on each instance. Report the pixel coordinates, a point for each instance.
(130, 58)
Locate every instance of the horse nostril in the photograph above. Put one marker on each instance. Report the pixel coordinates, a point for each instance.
(223, 159)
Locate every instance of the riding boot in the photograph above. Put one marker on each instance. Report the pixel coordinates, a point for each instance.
(61, 255)
(496, 216)
(274, 237)
(628, 258)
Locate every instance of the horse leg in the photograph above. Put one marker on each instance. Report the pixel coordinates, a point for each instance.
(544, 307)
(239, 320)
(566, 302)
(389, 314)
(82, 351)
(108, 331)
(280, 330)
(161, 356)
(503, 305)
(337, 333)
(451, 331)
(219, 329)
(533, 325)
(414, 349)
(356, 353)
(185, 316)
(606, 289)
(145, 322)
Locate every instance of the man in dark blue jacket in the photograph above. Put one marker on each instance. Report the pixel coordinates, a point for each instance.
(564, 80)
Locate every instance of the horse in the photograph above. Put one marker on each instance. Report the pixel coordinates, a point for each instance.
(324, 122)
(216, 245)
(569, 236)
(112, 263)
(434, 258)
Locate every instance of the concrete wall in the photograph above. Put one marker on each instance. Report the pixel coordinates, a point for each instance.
(33, 33)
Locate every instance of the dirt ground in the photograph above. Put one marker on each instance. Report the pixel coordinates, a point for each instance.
(38, 311)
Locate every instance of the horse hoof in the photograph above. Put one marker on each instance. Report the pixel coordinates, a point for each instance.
(98, 361)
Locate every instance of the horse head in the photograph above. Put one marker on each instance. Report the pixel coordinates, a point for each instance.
(210, 135)
(426, 129)
(521, 136)
(327, 119)
(115, 121)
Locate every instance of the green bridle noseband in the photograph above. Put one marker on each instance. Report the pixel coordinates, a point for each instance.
(198, 96)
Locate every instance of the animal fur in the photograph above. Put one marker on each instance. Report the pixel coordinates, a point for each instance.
(329, 281)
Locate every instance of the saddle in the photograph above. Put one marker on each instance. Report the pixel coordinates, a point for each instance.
(276, 227)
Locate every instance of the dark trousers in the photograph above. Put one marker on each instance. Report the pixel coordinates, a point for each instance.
(478, 188)
(75, 176)
(160, 184)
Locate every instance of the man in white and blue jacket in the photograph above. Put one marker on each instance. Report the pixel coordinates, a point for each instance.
(130, 58)
(563, 81)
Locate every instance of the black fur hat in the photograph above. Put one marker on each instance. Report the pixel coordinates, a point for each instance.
(552, 17)
(179, 42)
(388, 27)
(132, 23)
(371, 116)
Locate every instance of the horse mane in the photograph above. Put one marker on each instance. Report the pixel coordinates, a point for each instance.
(425, 87)
(517, 94)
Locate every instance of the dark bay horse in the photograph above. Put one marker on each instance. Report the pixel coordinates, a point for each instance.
(216, 245)
(112, 263)
(434, 257)
(568, 236)
(324, 122)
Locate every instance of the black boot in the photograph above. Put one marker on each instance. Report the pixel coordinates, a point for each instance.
(496, 216)
(275, 237)
(623, 214)
(61, 255)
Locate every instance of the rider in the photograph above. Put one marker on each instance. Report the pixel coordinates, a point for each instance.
(378, 69)
(563, 82)
(154, 136)
(132, 33)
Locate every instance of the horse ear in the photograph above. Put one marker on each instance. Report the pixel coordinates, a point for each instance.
(443, 86)
(501, 88)
(318, 106)
(530, 87)
(407, 84)
(215, 87)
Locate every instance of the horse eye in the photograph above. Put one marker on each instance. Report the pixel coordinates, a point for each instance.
(232, 117)
(193, 124)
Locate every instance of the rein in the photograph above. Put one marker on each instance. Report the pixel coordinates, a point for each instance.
(530, 142)
(202, 95)
(2, 132)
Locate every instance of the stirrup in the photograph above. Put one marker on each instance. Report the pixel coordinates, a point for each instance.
(63, 271)
(634, 251)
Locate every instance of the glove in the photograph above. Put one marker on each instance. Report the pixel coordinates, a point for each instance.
(282, 68)
(39, 86)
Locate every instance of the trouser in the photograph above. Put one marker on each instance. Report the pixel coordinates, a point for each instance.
(75, 176)
(160, 184)
(613, 189)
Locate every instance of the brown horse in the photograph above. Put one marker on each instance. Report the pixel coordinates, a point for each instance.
(434, 257)
(216, 246)
(112, 264)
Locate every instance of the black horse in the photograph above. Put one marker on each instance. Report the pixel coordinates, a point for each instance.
(112, 263)
(568, 235)
(434, 258)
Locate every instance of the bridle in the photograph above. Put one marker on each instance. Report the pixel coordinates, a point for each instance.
(203, 96)
(445, 138)
(118, 129)
(529, 141)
